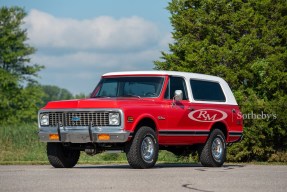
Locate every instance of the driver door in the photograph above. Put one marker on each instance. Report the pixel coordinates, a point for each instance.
(178, 124)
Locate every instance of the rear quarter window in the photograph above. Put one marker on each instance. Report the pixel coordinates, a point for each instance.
(206, 91)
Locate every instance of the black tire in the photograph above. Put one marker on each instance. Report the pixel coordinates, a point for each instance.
(142, 151)
(210, 157)
(62, 157)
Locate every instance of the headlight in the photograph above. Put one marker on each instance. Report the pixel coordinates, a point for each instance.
(114, 119)
(44, 119)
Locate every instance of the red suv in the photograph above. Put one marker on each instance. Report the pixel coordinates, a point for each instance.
(141, 113)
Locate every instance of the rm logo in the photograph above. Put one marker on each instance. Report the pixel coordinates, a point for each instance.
(207, 115)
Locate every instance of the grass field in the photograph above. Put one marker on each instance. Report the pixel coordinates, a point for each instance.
(20, 145)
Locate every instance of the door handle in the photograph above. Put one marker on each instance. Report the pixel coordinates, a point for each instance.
(190, 108)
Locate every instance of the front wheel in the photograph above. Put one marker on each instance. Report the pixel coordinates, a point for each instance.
(213, 153)
(142, 151)
(62, 157)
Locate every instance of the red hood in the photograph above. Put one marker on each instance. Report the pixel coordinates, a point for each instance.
(93, 103)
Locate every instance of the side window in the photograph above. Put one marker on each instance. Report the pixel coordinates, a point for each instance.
(207, 91)
(175, 83)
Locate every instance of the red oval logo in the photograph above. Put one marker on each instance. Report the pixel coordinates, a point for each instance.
(207, 115)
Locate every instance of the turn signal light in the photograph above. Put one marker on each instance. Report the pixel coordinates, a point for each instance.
(104, 137)
(130, 119)
(54, 137)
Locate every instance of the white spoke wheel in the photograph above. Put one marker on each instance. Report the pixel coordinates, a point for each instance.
(147, 149)
(213, 153)
(217, 149)
(142, 150)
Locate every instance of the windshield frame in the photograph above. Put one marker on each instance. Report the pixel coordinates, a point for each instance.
(98, 87)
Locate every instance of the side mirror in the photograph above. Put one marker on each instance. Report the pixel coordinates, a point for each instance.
(178, 95)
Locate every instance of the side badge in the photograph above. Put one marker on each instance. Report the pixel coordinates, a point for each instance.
(161, 118)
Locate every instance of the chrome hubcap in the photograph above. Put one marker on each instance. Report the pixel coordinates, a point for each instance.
(217, 149)
(147, 149)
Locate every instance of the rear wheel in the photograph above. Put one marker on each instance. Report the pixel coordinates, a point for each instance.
(142, 151)
(213, 153)
(62, 157)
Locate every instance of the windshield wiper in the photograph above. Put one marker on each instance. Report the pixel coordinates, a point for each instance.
(130, 95)
(101, 96)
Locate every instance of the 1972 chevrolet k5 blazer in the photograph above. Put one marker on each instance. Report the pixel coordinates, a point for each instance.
(142, 112)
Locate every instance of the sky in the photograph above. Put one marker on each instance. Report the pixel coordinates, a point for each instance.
(78, 41)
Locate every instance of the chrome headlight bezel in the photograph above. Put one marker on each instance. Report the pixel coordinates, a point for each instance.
(114, 119)
(44, 119)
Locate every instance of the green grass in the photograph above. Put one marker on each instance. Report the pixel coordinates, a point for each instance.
(20, 144)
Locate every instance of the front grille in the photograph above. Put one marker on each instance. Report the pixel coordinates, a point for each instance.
(79, 118)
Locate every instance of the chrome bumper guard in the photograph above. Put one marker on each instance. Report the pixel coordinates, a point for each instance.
(83, 135)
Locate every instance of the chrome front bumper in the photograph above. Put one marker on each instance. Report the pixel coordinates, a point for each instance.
(83, 135)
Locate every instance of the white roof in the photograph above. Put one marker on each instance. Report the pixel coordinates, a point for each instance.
(226, 89)
(173, 73)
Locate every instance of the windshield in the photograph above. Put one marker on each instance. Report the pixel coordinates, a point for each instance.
(129, 87)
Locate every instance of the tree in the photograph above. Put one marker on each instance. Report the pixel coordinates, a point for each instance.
(14, 51)
(81, 96)
(245, 42)
(19, 91)
(54, 93)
